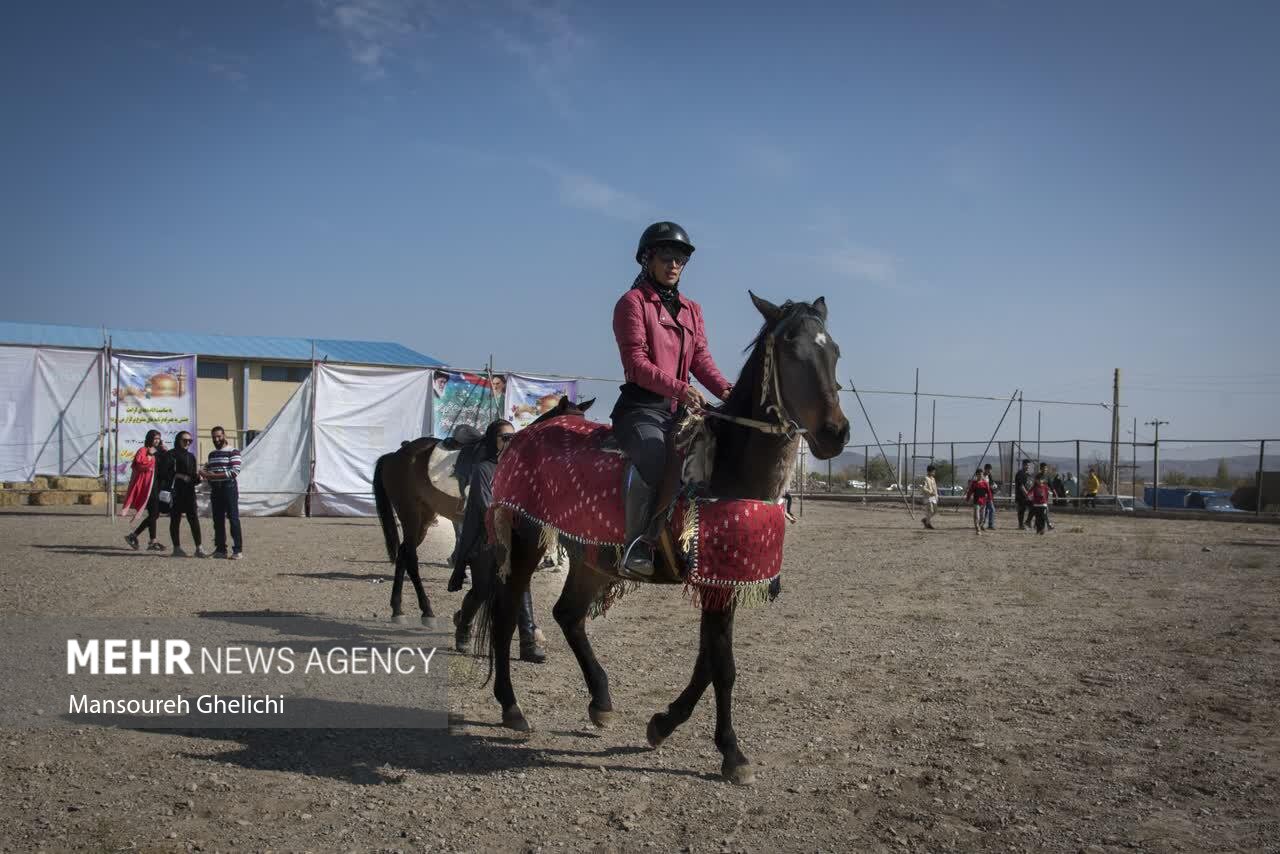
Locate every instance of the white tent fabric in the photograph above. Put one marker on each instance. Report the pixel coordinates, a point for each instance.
(362, 413)
(51, 411)
(276, 467)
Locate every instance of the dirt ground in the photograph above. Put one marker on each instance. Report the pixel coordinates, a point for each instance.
(1112, 685)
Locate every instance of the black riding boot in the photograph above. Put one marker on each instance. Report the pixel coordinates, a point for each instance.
(637, 559)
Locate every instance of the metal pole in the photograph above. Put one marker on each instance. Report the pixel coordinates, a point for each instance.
(1079, 483)
(866, 469)
(803, 484)
(1019, 423)
(953, 466)
(1155, 492)
(1038, 457)
(311, 478)
(1115, 435)
(1134, 487)
(1262, 453)
(933, 426)
(915, 427)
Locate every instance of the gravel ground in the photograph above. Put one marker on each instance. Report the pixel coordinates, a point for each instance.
(1109, 686)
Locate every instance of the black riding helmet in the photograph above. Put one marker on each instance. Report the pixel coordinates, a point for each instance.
(660, 233)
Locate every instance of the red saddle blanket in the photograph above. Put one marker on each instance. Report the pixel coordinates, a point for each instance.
(558, 475)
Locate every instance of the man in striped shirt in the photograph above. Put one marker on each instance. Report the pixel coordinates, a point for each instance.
(221, 472)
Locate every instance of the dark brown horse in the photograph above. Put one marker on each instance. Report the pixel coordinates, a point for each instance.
(789, 381)
(415, 484)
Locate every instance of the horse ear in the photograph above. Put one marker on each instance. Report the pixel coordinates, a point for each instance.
(770, 311)
(820, 306)
(586, 404)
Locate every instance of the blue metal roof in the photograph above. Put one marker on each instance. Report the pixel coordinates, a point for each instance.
(228, 346)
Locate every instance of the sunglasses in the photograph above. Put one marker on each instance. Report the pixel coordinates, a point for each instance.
(505, 437)
(668, 256)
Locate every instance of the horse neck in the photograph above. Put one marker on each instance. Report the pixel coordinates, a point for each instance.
(749, 463)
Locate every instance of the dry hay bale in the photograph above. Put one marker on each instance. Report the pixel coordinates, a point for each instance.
(17, 484)
(93, 499)
(53, 498)
(12, 499)
(75, 483)
(39, 482)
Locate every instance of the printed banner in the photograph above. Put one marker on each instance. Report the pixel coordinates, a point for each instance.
(459, 398)
(529, 397)
(151, 393)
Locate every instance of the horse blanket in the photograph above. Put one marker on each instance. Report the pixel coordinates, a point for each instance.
(558, 475)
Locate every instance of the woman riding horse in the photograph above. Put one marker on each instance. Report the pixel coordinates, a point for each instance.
(661, 339)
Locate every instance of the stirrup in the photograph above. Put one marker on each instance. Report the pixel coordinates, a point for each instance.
(639, 573)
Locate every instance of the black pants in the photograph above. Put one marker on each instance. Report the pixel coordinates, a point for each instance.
(484, 573)
(1023, 514)
(642, 431)
(149, 523)
(224, 498)
(184, 504)
(1040, 515)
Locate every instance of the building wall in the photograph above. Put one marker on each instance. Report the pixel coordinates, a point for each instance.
(267, 397)
(220, 402)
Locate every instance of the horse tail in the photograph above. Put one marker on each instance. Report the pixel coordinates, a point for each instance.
(386, 515)
(501, 524)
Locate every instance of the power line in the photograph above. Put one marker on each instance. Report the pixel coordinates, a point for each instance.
(982, 397)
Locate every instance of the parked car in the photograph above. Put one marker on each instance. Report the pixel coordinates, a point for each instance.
(1127, 504)
(857, 484)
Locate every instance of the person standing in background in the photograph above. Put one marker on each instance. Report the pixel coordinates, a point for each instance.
(995, 490)
(155, 452)
(222, 471)
(929, 488)
(181, 466)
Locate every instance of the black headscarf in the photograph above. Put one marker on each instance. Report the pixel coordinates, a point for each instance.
(489, 443)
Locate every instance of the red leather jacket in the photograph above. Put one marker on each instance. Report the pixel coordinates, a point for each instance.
(657, 352)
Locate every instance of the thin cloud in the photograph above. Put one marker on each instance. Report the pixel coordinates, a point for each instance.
(222, 64)
(549, 44)
(767, 160)
(860, 264)
(377, 31)
(577, 190)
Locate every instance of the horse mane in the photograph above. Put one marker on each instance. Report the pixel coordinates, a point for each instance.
(746, 391)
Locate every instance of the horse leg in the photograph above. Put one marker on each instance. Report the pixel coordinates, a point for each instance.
(717, 635)
(581, 589)
(424, 601)
(504, 614)
(397, 586)
(663, 724)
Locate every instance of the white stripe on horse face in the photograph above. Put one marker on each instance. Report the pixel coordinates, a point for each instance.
(821, 339)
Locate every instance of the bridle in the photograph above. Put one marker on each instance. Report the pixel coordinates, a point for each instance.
(770, 386)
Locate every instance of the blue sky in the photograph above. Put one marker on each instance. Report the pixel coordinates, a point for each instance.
(1005, 195)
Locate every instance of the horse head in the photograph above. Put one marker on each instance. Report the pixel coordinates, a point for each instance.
(795, 376)
(564, 407)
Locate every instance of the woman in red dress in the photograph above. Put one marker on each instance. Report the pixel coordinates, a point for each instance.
(144, 467)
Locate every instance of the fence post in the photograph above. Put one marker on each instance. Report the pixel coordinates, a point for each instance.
(1262, 452)
(866, 471)
(1079, 482)
(953, 467)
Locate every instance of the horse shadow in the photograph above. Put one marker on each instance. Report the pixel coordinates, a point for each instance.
(338, 576)
(375, 757)
(104, 551)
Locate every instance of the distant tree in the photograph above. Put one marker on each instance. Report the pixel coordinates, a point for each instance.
(877, 471)
(1173, 477)
(945, 472)
(1223, 477)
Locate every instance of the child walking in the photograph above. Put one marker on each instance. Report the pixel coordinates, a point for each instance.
(979, 492)
(930, 491)
(1038, 495)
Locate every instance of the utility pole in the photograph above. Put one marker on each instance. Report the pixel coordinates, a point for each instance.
(915, 428)
(1115, 434)
(1038, 457)
(1155, 492)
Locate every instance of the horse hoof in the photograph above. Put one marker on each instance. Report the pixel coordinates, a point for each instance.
(429, 621)
(399, 619)
(738, 774)
(654, 737)
(513, 718)
(600, 717)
